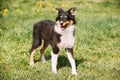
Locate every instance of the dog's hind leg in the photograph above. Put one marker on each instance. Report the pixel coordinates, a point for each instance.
(37, 45)
(32, 57)
(42, 52)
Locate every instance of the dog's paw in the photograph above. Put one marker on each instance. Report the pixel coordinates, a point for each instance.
(54, 71)
(74, 73)
(31, 63)
(43, 60)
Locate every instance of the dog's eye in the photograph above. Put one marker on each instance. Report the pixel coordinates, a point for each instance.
(66, 17)
(61, 16)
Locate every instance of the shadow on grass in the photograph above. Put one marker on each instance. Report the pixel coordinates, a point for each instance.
(47, 57)
(62, 61)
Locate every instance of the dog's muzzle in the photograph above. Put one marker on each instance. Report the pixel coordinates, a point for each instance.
(63, 26)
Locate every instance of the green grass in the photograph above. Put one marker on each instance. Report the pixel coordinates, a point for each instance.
(97, 47)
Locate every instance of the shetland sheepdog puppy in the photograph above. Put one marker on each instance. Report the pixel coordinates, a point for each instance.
(59, 34)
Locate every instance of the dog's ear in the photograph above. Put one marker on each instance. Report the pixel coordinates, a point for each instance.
(59, 10)
(72, 10)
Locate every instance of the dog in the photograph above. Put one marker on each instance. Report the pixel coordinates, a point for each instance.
(59, 34)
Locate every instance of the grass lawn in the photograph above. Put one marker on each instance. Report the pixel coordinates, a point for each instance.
(97, 47)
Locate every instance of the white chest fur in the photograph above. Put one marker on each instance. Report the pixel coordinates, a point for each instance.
(67, 38)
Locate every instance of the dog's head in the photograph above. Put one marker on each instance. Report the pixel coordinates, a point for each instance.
(65, 18)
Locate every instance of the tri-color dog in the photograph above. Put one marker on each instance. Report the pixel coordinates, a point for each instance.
(59, 34)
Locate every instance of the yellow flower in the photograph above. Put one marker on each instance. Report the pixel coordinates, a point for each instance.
(39, 4)
(4, 14)
(5, 11)
(38, 10)
(49, 4)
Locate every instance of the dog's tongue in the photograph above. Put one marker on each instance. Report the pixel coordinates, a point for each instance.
(62, 27)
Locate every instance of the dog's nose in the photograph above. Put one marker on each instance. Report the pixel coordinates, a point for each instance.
(61, 23)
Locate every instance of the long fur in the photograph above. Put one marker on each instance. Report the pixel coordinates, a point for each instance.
(59, 34)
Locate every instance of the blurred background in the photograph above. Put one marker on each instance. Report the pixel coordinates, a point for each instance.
(97, 47)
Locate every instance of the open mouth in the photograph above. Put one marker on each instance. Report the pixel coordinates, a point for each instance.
(63, 27)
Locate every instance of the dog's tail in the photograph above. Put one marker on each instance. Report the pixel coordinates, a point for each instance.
(37, 38)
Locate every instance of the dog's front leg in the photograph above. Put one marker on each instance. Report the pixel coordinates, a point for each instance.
(54, 62)
(69, 52)
(54, 59)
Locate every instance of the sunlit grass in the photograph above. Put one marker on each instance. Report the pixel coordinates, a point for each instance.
(97, 47)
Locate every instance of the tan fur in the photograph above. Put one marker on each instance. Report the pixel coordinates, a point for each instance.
(33, 52)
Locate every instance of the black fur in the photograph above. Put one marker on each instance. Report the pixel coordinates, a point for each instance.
(45, 30)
